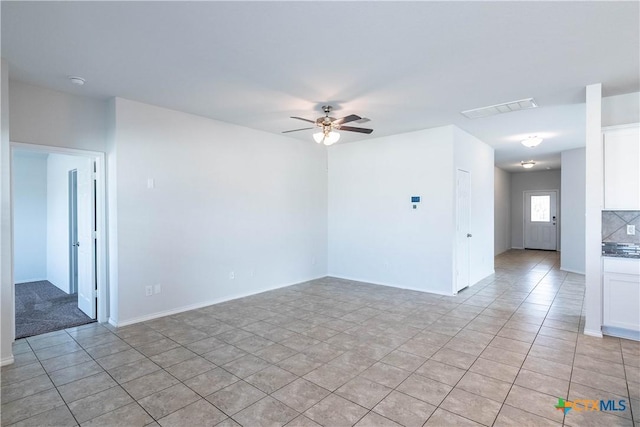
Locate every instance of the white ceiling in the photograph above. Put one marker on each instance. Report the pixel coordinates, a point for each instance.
(405, 65)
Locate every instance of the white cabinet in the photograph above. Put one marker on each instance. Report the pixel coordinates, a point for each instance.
(621, 297)
(622, 168)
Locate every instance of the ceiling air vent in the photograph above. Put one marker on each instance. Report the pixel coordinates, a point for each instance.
(507, 107)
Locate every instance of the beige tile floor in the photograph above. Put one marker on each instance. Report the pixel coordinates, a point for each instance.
(334, 352)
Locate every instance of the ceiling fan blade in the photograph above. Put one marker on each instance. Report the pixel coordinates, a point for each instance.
(295, 130)
(347, 119)
(354, 129)
(303, 119)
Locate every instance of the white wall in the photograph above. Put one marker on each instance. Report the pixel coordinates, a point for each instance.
(502, 211)
(376, 236)
(58, 167)
(225, 199)
(573, 210)
(47, 117)
(477, 158)
(530, 181)
(621, 109)
(29, 216)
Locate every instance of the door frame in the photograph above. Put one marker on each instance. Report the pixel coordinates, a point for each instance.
(524, 216)
(101, 218)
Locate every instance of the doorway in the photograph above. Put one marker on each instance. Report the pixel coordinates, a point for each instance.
(463, 232)
(74, 272)
(540, 220)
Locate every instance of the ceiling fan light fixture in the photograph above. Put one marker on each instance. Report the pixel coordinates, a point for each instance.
(532, 141)
(327, 134)
(528, 164)
(318, 137)
(331, 138)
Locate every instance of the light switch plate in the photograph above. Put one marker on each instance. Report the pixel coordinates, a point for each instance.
(631, 230)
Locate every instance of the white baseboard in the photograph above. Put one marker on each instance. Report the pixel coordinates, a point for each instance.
(30, 280)
(621, 333)
(517, 247)
(391, 285)
(7, 361)
(593, 333)
(157, 315)
(570, 270)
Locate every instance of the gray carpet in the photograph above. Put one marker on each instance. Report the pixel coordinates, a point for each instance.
(41, 307)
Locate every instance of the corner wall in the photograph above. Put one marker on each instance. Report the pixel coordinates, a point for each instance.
(374, 234)
(573, 211)
(210, 211)
(502, 211)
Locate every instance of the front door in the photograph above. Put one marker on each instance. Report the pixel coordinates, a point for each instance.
(540, 219)
(463, 234)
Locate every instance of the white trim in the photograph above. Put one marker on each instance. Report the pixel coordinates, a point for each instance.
(102, 249)
(517, 247)
(355, 279)
(593, 333)
(196, 306)
(7, 361)
(569, 270)
(29, 281)
(621, 333)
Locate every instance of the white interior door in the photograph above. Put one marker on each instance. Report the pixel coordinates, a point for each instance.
(540, 219)
(73, 231)
(86, 244)
(463, 234)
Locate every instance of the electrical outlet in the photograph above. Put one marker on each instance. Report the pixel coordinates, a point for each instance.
(631, 230)
(157, 289)
(232, 275)
(148, 290)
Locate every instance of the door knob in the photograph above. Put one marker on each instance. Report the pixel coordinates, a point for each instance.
(469, 235)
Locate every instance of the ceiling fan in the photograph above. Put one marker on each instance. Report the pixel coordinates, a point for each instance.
(330, 125)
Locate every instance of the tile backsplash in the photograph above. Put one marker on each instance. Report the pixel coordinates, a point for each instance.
(614, 226)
